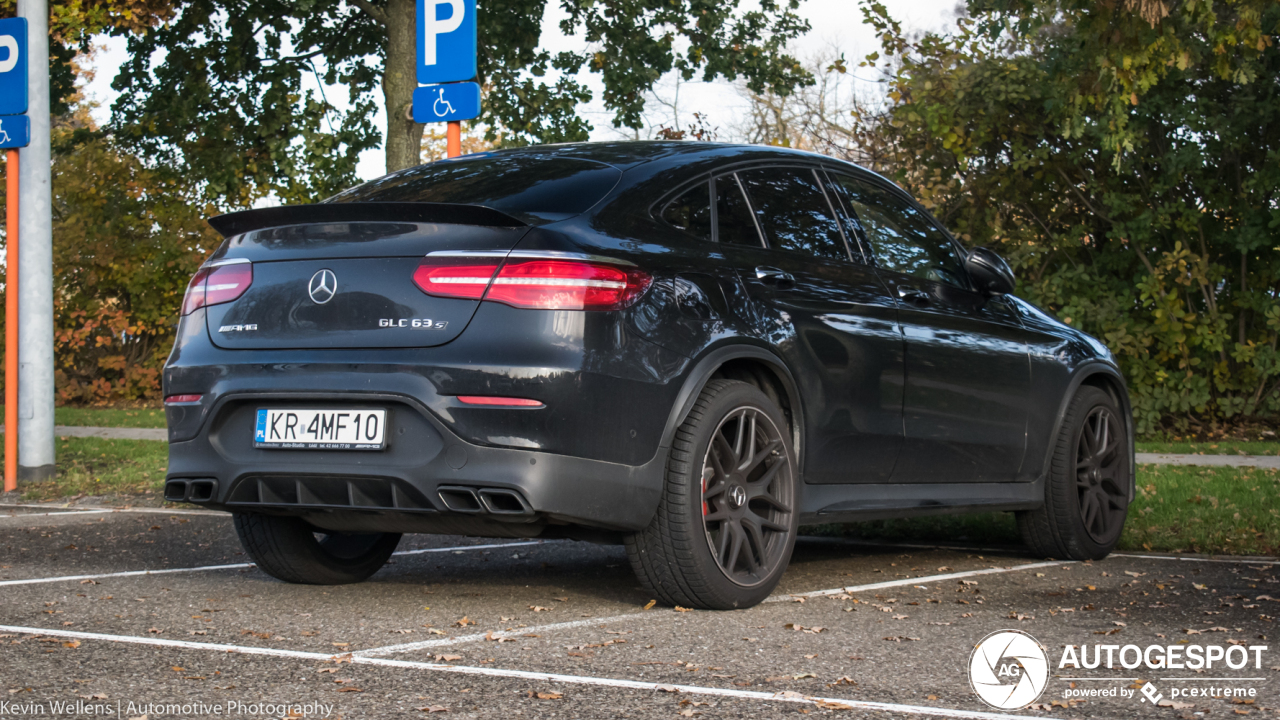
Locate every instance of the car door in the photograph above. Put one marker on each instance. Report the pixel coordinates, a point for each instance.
(832, 317)
(968, 371)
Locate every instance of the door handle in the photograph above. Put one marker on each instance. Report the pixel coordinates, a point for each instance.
(774, 276)
(913, 296)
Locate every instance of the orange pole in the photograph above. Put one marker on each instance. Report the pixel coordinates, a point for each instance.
(454, 139)
(11, 324)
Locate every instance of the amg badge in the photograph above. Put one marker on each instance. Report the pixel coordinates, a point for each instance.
(237, 328)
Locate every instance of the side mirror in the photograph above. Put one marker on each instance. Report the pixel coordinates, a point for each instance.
(989, 271)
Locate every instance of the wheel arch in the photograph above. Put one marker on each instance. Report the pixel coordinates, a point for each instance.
(1105, 377)
(751, 364)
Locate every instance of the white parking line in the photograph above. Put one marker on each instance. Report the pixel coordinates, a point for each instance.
(99, 508)
(49, 514)
(525, 675)
(475, 637)
(915, 581)
(1245, 561)
(237, 566)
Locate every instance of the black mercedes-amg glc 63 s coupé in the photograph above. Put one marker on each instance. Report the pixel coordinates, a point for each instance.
(691, 349)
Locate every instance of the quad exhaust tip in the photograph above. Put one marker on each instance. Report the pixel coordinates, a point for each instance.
(194, 491)
(473, 501)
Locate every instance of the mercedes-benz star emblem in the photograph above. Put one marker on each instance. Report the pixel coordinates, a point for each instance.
(737, 496)
(323, 286)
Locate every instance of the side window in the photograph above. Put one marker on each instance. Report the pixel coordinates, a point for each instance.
(733, 215)
(902, 238)
(794, 212)
(691, 212)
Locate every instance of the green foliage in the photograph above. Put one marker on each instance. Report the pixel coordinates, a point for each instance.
(1126, 158)
(226, 99)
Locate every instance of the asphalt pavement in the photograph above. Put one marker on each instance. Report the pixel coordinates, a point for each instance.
(158, 613)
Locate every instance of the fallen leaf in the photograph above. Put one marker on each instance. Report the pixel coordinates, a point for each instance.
(539, 608)
(649, 605)
(448, 658)
(668, 689)
(350, 689)
(465, 621)
(683, 609)
(829, 705)
(73, 644)
(433, 709)
(549, 696)
(843, 680)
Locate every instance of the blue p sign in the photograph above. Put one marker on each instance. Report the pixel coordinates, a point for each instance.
(446, 41)
(13, 66)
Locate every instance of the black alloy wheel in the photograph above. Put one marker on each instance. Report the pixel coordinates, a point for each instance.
(1100, 486)
(1086, 493)
(727, 519)
(743, 475)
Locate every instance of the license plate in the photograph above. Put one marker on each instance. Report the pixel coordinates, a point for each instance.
(310, 429)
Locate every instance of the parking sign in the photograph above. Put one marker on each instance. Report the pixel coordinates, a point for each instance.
(13, 66)
(446, 41)
(446, 103)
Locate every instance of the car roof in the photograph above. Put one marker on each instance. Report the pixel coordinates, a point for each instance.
(625, 155)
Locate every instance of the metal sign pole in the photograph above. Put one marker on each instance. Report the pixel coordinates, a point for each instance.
(11, 322)
(35, 268)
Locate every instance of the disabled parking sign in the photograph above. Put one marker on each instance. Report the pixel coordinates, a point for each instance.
(446, 41)
(446, 103)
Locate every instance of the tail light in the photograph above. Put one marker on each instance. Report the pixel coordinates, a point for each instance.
(217, 284)
(545, 283)
(453, 280)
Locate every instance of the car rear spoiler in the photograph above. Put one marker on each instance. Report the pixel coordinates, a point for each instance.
(444, 213)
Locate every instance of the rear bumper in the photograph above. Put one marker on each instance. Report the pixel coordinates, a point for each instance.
(427, 480)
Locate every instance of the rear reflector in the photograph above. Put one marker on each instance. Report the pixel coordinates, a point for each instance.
(216, 285)
(182, 399)
(503, 401)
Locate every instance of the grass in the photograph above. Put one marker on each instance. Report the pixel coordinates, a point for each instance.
(107, 417)
(1220, 447)
(89, 467)
(1215, 510)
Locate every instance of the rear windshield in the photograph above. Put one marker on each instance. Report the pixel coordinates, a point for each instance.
(519, 185)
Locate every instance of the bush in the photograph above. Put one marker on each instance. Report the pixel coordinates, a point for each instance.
(1125, 157)
(126, 239)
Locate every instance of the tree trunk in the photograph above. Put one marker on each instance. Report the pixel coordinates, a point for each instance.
(399, 79)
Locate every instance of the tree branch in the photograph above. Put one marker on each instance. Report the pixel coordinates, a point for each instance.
(371, 10)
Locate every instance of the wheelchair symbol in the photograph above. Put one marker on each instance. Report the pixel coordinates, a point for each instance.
(440, 101)
(4, 136)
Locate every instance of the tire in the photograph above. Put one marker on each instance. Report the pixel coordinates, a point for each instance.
(288, 549)
(681, 557)
(1086, 495)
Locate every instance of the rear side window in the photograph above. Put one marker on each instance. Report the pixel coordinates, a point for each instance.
(794, 212)
(547, 187)
(733, 214)
(691, 211)
(903, 239)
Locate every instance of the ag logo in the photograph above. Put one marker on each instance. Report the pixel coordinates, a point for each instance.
(1008, 669)
(323, 286)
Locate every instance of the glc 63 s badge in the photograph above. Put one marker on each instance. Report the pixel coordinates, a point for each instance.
(419, 323)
